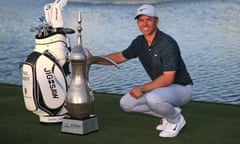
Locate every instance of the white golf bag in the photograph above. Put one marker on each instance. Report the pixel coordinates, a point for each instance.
(46, 70)
(45, 74)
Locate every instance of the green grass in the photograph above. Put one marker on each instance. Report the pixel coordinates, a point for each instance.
(207, 123)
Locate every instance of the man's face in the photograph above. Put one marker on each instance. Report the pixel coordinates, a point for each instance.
(147, 25)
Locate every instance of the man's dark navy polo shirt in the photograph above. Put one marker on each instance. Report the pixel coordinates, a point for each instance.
(162, 55)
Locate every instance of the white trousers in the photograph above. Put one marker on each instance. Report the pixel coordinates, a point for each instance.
(159, 102)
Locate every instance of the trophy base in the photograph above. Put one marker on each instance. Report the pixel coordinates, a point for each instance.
(80, 127)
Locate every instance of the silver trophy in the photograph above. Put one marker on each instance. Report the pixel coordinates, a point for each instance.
(80, 97)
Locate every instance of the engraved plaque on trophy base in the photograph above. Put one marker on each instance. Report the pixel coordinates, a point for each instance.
(80, 127)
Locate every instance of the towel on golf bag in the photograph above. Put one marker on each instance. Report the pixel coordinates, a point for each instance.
(44, 84)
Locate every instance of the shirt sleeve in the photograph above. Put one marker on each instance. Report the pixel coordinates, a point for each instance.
(171, 56)
(129, 52)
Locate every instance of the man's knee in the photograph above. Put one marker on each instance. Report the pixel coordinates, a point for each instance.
(124, 106)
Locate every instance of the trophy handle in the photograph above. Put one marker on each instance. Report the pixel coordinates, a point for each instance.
(95, 59)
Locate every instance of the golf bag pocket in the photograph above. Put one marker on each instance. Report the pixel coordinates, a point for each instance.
(44, 84)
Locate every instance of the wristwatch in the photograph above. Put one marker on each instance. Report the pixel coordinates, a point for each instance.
(142, 89)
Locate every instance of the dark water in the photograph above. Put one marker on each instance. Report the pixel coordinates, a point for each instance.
(208, 33)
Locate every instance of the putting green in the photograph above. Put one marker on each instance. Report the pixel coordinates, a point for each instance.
(207, 123)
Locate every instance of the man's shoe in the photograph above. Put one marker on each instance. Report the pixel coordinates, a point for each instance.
(162, 126)
(164, 123)
(172, 130)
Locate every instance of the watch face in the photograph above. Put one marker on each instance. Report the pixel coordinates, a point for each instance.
(142, 90)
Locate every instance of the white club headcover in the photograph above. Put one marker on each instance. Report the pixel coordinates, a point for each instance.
(48, 13)
(61, 3)
(56, 16)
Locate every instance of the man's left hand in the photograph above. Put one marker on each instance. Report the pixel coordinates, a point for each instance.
(136, 92)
